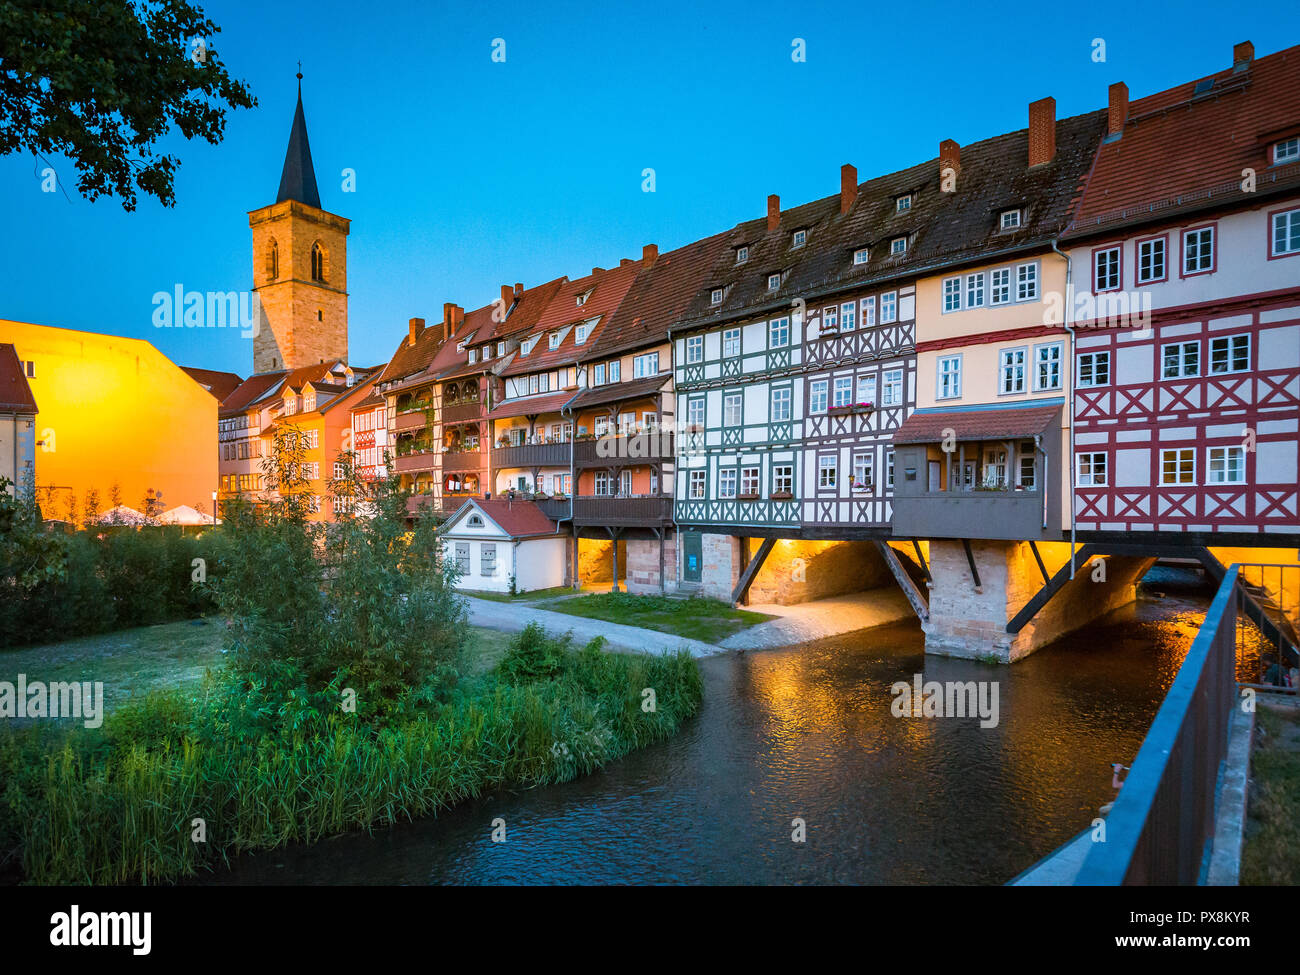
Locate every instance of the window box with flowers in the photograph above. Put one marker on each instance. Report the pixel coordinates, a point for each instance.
(748, 496)
(841, 410)
(782, 496)
(863, 407)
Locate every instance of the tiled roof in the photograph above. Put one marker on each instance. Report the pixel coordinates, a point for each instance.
(519, 519)
(610, 288)
(657, 298)
(219, 384)
(410, 359)
(620, 392)
(15, 393)
(531, 405)
(1177, 145)
(350, 394)
(996, 422)
(250, 391)
(316, 375)
(521, 320)
(944, 229)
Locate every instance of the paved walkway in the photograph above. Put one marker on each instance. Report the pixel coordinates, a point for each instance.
(822, 618)
(513, 617)
(795, 624)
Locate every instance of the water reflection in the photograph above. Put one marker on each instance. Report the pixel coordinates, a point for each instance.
(807, 733)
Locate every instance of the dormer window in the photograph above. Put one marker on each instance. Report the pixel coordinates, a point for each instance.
(898, 245)
(473, 356)
(582, 298)
(1011, 219)
(715, 297)
(501, 349)
(742, 254)
(773, 281)
(553, 340)
(487, 353)
(581, 332)
(1288, 150)
(860, 255)
(903, 203)
(799, 238)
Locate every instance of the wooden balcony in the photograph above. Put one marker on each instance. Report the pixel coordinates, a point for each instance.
(414, 420)
(637, 450)
(556, 509)
(641, 512)
(413, 463)
(531, 455)
(462, 460)
(462, 411)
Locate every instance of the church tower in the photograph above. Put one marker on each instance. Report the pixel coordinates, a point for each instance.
(300, 267)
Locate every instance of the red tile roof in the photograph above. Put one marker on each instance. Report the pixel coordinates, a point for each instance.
(15, 394)
(219, 384)
(620, 392)
(249, 391)
(610, 288)
(1178, 144)
(532, 405)
(479, 324)
(412, 358)
(933, 425)
(519, 519)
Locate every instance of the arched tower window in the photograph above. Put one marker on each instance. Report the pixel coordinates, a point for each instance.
(317, 262)
(273, 261)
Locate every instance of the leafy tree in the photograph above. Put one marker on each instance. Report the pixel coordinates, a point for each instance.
(102, 81)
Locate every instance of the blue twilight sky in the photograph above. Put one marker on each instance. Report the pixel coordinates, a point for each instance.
(472, 173)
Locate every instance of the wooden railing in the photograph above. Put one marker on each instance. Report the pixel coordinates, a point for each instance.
(1162, 822)
(615, 451)
(531, 455)
(623, 512)
(459, 412)
(462, 460)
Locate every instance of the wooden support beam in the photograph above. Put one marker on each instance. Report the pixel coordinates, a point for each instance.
(920, 605)
(970, 560)
(1050, 589)
(741, 592)
(1039, 559)
(920, 559)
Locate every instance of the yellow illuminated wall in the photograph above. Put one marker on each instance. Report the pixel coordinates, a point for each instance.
(115, 410)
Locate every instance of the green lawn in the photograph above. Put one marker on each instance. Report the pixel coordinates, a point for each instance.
(505, 597)
(166, 656)
(710, 620)
(1272, 848)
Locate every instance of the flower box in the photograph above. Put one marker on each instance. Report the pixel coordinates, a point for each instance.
(840, 410)
(751, 496)
(782, 496)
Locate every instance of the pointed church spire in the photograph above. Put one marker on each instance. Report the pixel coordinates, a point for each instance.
(298, 180)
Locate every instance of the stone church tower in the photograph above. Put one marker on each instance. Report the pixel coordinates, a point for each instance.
(300, 267)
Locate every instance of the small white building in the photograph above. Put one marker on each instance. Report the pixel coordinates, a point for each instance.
(493, 542)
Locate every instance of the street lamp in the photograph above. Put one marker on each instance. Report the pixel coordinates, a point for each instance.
(214, 507)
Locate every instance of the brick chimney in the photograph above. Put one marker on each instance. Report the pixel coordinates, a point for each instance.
(649, 254)
(1042, 131)
(1243, 53)
(773, 212)
(597, 270)
(414, 328)
(519, 290)
(949, 158)
(1118, 108)
(848, 186)
(448, 319)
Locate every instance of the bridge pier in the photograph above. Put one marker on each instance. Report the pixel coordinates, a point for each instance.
(970, 618)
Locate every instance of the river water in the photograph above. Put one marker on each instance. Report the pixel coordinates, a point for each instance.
(807, 733)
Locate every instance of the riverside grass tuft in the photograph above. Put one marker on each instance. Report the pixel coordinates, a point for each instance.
(117, 805)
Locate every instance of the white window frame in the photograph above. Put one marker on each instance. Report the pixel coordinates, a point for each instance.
(818, 396)
(842, 391)
(727, 482)
(697, 484)
(869, 312)
(642, 365)
(1007, 366)
(694, 349)
(774, 282)
(1114, 274)
(893, 387)
(1286, 150)
(780, 473)
(1047, 348)
(1291, 220)
(742, 254)
(1233, 343)
(973, 290)
(730, 335)
(848, 316)
(778, 333)
(1000, 286)
(948, 377)
(1188, 269)
(827, 472)
(1010, 219)
(1027, 282)
(782, 404)
(903, 203)
(1181, 456)
(861, 255)
(1088, 370)
(898, 246)
(1089, 459)
(952, 294)
(1145, 250)
(691, 410)
(1223, 456)
(715, 297)
(798, 239)
(888, 307)
(733, 410)
(1186, 358)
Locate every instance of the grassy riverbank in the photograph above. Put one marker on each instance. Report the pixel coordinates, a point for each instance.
(709, 620)
(1271, 854)
(123, 803)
